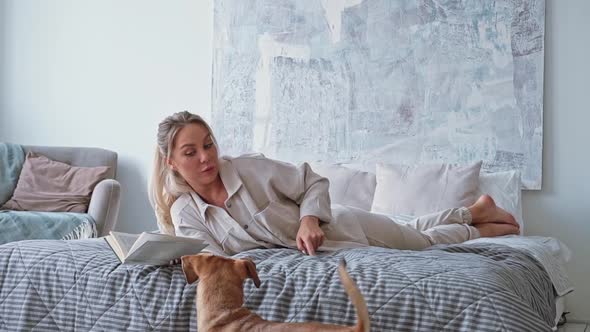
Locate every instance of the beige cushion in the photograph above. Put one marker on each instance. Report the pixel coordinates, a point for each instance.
(348, 186)
(52, 186)
(423, 189)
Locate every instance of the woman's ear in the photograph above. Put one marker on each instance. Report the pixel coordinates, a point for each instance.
(170, 164)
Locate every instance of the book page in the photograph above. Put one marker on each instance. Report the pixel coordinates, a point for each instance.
(156, 237)
(115, 247)
(125, 241)
(161, 251)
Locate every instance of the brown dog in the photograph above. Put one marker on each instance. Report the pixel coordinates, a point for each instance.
(220, 296)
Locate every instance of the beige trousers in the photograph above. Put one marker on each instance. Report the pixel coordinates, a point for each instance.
(445, 227)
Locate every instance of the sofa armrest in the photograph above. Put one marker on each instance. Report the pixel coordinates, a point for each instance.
(104, 205)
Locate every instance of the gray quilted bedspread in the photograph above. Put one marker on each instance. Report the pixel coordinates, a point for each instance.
(80, 286)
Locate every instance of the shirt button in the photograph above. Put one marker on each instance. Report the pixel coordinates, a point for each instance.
(245, 226)
(228, 205)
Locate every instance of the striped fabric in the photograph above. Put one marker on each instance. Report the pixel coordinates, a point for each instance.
(81, 286)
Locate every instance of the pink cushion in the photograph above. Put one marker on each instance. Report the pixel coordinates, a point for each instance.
(52, 186)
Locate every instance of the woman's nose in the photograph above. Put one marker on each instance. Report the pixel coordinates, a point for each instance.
(203, 157)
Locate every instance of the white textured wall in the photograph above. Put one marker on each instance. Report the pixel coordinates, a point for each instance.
(104, 73)
(562, 208)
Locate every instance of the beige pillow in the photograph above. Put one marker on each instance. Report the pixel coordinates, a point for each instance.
(423, 189)
(52, 186)
(348, 186)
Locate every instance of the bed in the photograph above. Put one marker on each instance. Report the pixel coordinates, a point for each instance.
(502, 284)
(80, 285)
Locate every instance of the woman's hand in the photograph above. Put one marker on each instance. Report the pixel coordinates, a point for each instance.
(310, 236)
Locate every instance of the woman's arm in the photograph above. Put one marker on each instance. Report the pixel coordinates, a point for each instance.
(314, 207)
(297, 183)
(196, 233)
(304, 187)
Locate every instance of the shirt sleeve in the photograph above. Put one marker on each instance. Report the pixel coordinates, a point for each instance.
(193, 232)
(300, 184)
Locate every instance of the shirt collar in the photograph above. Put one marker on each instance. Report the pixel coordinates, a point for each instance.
(231, 181)
(229, 176)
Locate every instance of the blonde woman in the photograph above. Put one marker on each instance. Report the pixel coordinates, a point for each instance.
(246, 202)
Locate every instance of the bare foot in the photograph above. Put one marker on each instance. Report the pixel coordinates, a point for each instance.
(485, 210)
(491, 229)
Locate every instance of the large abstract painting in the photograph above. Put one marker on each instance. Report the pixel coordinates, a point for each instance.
(366, 81)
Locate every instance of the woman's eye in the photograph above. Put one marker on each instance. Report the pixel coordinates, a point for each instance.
(189, 153)
(208, 146)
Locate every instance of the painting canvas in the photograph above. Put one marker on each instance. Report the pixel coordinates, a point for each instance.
(367, 81)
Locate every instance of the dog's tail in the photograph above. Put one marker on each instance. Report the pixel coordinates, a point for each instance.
(363, 323)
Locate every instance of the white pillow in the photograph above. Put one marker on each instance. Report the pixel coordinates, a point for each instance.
(505, 189)
(348, 186)
(422, 189)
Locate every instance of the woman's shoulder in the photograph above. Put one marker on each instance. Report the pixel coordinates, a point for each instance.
(245, 162)
(180, 204)
(256, 161)
(245, 157)
(185, 211)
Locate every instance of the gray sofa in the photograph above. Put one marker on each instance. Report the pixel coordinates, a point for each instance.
(105, 200)
(103, 206)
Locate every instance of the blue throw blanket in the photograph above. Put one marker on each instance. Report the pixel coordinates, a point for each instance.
(12, 158)
(28, 225)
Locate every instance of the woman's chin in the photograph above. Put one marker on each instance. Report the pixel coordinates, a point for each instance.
(209, 177)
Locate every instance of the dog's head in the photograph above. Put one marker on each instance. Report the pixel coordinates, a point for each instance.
(201, 265)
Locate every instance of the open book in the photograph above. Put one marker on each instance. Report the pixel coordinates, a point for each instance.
(152, 248)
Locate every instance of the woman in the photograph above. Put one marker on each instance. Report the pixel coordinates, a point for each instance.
(236, 204)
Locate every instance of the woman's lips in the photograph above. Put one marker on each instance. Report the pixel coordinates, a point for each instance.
(208, 169)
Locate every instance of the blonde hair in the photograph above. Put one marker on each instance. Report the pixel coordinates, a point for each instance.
(167, 185)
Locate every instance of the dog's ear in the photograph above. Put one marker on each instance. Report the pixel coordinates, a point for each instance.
(189, 269)
(250, 267)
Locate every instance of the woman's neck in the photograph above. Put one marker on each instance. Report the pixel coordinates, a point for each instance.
(214, 193)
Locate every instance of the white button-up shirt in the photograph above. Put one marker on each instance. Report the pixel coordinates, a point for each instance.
(266, 201)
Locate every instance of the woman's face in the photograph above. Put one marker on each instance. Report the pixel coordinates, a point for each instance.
(194, 156)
